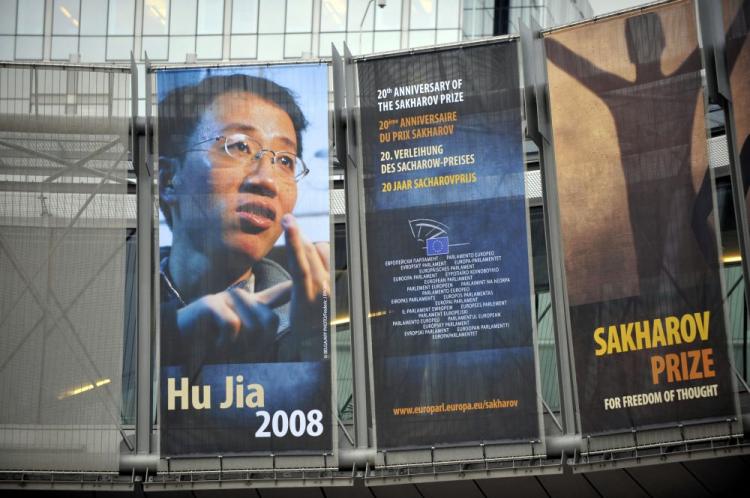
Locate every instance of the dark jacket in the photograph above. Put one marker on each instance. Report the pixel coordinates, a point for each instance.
(177, 349)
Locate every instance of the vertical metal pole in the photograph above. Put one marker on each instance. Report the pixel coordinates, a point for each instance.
(501, 22)
(316, 13)
(557, 289)
(744, 335)
(144, 201)
(719, 91)
(138, 29)
(47, 30)
(354, 248)
(539, 130)
(226, 38)
(405, 20)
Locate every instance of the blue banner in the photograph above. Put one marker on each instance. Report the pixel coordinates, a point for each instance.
(245, 273)
(447, 248)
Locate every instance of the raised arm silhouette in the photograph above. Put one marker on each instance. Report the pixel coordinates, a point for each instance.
(736, 34)
(737, 30)
(654, 120)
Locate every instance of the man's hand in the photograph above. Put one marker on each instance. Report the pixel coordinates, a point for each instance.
(309, 266)
(233, 325)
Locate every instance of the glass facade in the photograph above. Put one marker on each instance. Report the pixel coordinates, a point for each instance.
(94, 31)
(487, 17)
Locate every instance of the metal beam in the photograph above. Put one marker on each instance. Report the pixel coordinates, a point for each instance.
(655, 456)
(63, 125)
(65, 66)
(248, 479)
(539, 129)
(145, 272)
(63, 188)
(356, 260)
(69, 167)
(66, 481)
(457, 471)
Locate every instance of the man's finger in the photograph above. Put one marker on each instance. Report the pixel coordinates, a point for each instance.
(317, 270)
(324, 251)
(295, 245)
(277, 295)
(254, 314)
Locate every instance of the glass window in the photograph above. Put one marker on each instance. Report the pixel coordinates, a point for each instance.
(387, 40)
(359, 43)
(208, 47)
(472, 23)
(388, 17)
(65, 17)
(92, 48)
(120, 18)
(31, 18)
(468, 22)
(210, 17)
(63, 47)
(333, 15)
(448, 35)
(421, 38)
(156, 17)
(525, 16)
(8, 19)
(299, 16)
(423, 14)
(244, 46)
(245, 16)
(155, 47)
(489, 21)
(448, 13)
(93, 18)
(355, 16)
(297, 46)
(272, 15)
(180, 46)
(325, 43)
(271, 47)
(182, 18)
(6, 47)
(119, 47)
(29, 47)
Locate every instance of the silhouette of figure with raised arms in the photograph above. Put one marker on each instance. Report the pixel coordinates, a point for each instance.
(736, 35)
(654, 120)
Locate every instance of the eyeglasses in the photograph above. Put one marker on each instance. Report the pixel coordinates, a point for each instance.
(242, 149)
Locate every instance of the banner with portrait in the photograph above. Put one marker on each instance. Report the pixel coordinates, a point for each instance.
(639, 236)
(450, 318)
(244, 265)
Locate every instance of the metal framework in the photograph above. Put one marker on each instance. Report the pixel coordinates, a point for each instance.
(36, 147)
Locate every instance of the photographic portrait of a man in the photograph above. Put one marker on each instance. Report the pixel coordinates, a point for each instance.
(244, 281)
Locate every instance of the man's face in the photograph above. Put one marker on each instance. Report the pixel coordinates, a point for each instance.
(228, 206)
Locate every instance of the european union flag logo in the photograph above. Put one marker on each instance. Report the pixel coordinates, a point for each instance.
(437, 245)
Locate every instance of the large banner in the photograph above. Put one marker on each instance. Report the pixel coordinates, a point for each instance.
(245, 282)
(447, 248)
(736, 15)
(640, 247)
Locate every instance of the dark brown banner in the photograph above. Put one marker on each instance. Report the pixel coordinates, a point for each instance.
(640, 247)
